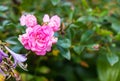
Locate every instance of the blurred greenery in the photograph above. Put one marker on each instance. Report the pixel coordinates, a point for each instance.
(88, 45)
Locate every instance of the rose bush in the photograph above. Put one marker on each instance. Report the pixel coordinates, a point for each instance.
(88, 42)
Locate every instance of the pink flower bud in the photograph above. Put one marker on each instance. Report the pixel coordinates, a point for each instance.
(28, 20)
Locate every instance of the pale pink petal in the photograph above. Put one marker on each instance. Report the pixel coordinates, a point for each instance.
(55, 23)
(30, 21)
(56, 19)
(54, 40)
(46, 18)
(22, 20)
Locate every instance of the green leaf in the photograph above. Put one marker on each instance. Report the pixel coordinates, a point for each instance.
(71, 31)
(78, 49)
(43, 69)
(85, 19)
(12, 40)
(65, 43)
(3, 8)
(112, 58)
(41, 78)
(26, 76)
(116, 27)
(6, 22)
(55, 2)
(117, 37)
(1, 28)
(106, 72)
(65, 53)
(104, 13)
(85, 4)
(66, 4)
(16, 48)
(86, 36)
(104, 32)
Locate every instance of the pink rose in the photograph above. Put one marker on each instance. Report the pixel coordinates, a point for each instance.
(54, 22)
(25, 38)
(28, 20)
(39, 39)
(46, 18)
(22, 20)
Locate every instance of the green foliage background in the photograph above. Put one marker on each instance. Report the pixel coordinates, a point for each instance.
(84, 24)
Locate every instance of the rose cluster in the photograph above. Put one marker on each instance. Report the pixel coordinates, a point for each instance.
(39, 38)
